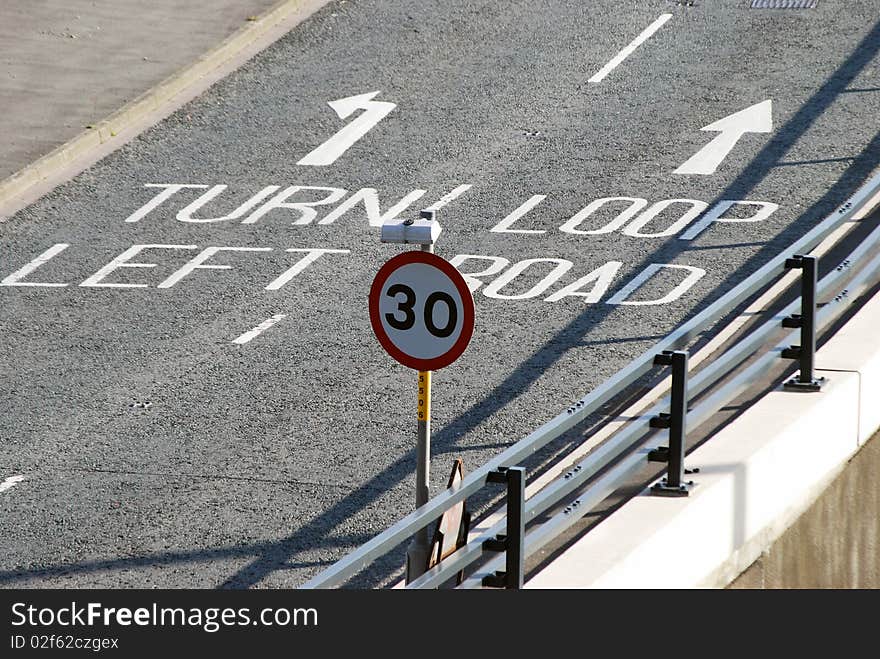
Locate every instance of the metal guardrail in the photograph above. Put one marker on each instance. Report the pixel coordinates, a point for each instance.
(627, 446)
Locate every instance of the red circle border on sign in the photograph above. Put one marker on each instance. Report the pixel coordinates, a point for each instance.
(467, 329)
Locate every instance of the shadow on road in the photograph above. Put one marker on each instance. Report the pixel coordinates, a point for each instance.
(280, 555)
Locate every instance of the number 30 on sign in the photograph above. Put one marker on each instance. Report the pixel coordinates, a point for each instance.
(421, 310)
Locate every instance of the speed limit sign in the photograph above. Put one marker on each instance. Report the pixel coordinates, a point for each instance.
(421, 310)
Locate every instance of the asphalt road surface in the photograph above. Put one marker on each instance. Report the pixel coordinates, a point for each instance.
(213, 409)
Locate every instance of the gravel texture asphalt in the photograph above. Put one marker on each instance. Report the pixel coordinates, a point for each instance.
(158, 452)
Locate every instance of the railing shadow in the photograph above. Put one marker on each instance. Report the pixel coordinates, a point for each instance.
(280, 554)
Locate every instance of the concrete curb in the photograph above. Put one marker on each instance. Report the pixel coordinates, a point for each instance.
(164, 98)
(757, 476)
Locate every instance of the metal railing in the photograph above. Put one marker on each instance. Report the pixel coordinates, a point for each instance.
(626, 451)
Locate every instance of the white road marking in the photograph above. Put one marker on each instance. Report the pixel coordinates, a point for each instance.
(259, 329)
(15, 278)
(449, 196)
(504, 225)
(626, 52)
(694, 275)
(374, 112)
(11, 482)
(312, 255)
(121, 261)
(170, 190)
(204, 255)
(756, 118)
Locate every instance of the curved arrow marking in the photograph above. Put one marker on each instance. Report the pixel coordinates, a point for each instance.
(374, 112)
(757, 118)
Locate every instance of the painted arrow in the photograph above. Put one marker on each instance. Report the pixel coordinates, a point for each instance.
(374, 112)
(755, 119)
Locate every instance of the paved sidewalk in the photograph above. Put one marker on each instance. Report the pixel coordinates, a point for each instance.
(67, 64)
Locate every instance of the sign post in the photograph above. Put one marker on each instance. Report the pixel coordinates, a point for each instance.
(417, 553)
(422, 312)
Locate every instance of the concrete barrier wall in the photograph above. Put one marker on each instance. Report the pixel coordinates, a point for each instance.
(785, 497)
(836, 542)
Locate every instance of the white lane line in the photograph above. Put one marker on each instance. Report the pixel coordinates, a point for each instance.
(259, 329)
(10, 482)
(626, 52)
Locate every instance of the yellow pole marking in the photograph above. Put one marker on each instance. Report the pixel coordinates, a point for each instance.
(424, 395)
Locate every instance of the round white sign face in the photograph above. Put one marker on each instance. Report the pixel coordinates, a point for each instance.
(421, 310)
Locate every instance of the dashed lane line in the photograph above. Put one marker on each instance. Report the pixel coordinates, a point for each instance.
(259, 329)
(626, 52)
(11, 482)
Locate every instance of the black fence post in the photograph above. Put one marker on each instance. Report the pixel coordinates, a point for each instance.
(676, 422)
(513, 542)
(805, 353)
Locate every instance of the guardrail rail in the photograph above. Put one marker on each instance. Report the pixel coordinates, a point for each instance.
(495, 556)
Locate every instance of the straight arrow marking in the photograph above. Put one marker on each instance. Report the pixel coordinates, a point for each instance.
(757, 118)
